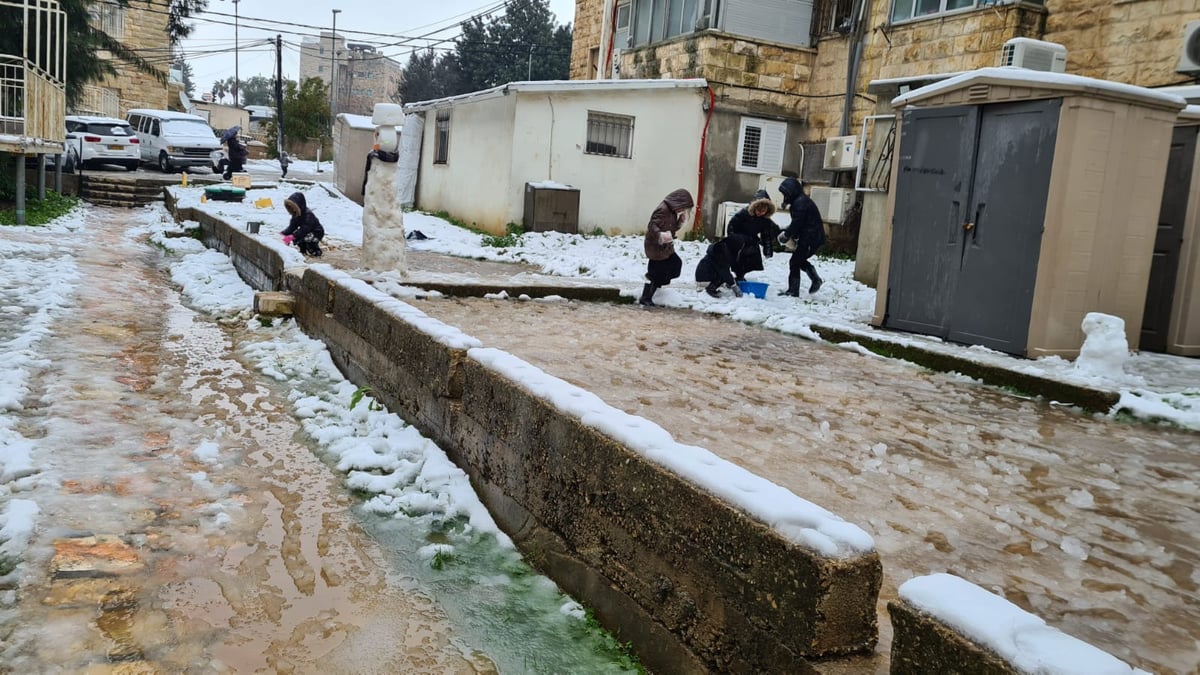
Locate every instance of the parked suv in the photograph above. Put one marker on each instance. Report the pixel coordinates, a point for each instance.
(173, 140)
(94, 141)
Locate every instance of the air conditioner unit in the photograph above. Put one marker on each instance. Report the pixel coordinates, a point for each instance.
(1033, 54)
(725, 213)
(1189, 56)
(841, 153)
(833, 203)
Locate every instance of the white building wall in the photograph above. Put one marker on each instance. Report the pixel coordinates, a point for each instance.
(616, 195)
(500, 143)
(474, 184)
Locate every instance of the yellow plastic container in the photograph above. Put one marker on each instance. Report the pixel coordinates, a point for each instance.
(263, 203)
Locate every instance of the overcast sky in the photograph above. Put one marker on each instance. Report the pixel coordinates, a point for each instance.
(210, 49)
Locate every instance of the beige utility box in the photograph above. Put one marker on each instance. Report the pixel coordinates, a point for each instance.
(1022, 201)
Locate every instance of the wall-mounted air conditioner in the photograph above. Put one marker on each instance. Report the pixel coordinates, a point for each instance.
(1189, 55)
(841, 153)
(1033, 54)
(833, 203)
(725, 213)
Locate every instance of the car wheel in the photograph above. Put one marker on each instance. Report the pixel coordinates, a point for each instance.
(164, 162)
(132, 166)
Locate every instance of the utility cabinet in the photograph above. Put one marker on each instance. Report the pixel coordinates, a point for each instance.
(1021, 203)
(551, 207)
(1172, 316)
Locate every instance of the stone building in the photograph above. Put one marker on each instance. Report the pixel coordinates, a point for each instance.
(363, 76)
(142, 29)
(799, 81)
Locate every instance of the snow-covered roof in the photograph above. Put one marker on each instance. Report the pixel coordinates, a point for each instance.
(1057, 81)
(884, 85)
(557, 87)
(1190, 113)
(357, 121)
(1190, 92)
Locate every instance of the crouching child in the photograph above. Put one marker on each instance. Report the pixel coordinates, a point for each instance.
(305, 229)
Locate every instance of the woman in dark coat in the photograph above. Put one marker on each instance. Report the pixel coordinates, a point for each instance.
(753, 225)
(664, 264)
(305, 229)
(806, 230)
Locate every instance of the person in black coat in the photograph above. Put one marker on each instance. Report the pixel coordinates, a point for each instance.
(806, 232)
(754, 226)
(304, 229)
(716, 267)
(236, 152)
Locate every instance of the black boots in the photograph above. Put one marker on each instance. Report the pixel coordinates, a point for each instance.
(815, 282)
(647, 295)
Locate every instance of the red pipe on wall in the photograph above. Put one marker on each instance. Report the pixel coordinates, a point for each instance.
(698, 223)
(612, 38)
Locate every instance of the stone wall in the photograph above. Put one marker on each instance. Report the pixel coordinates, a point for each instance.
(1131, 41)
(589, 17)
(145, 33)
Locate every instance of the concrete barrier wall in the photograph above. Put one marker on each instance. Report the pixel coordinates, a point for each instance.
(943, 624)
(692, 582)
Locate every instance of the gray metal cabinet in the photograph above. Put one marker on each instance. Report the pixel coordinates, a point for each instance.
(1168, 241)
(971, 196)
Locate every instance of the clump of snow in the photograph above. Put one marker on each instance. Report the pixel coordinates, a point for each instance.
(574, 610)
(383, 244)
(1020, 638)
(1105, 350)
(207, 452)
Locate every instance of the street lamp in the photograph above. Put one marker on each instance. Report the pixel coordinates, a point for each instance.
(332, 66)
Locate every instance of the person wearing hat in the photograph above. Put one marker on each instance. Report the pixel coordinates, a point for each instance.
(663, 263)
(235, 150)
(806, 232)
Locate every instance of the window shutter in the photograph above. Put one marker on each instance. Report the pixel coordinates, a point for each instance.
(760, 146)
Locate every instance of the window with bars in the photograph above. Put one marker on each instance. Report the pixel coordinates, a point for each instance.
(109, 18)
(441, 140)
(609, 135)
(760, 146)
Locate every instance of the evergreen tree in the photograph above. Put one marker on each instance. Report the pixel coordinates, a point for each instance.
(523, 44)
(429, 76)
(305, 110)
(189, 84)
(257, 90)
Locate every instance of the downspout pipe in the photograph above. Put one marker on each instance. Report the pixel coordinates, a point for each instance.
(698, 223)
(861, 12)
(608, 39)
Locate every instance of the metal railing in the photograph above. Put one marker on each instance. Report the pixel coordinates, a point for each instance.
(32, 84)
(100, 101)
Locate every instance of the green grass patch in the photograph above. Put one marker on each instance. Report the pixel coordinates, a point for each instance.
(54, 206)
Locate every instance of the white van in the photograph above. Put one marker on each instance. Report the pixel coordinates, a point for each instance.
(173, 140)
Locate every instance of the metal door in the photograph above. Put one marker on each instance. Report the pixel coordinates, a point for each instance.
(937, 153)
(1164, 267)
(1002, 228)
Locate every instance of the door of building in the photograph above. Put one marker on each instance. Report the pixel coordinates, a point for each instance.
(970, 209)
(1168, 242)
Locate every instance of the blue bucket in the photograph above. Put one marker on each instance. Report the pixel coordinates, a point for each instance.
(755, 288)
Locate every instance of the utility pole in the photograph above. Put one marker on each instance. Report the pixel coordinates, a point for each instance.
(333, 68)
(279, 95)
(236, 101)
